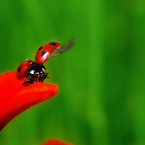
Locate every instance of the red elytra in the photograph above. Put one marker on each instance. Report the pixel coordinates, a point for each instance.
(44, 51)
(16, 98)
(23, 67)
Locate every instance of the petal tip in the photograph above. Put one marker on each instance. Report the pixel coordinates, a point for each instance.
(54, 141)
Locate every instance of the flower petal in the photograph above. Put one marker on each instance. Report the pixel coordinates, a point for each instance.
(56, 142)
(16, 98)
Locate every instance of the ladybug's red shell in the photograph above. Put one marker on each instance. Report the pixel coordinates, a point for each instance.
(23, 67)
(44, 51)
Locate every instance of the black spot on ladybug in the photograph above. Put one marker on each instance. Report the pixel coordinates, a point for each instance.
(30, 61)
(19, 77)
(52, 43)
(43, 53)
(40, 48)
(19, 69)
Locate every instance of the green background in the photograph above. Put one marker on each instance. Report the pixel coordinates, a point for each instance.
(101, 98)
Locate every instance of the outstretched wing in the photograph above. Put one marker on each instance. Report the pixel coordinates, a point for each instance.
(62, 48)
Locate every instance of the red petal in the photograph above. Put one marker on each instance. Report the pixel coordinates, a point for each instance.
(56, 142)
(16, 98)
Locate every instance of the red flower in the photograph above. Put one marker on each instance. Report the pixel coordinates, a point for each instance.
(56, 142)
(16, 98)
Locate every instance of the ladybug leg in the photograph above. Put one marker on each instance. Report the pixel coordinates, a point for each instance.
(29, 81)
(39, 78)
(42, 77)
(45, 76)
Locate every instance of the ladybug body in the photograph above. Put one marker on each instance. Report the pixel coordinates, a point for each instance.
(35, 71)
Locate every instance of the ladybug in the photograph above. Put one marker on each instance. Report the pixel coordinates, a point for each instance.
(35, 71)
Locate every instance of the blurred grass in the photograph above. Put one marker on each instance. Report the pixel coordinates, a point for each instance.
(101, 81)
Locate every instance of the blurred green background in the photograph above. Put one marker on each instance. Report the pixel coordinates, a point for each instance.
(101, 98)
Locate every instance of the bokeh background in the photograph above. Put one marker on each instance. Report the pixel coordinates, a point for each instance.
(101, 98)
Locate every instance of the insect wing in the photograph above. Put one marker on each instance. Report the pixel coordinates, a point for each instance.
(62, 48)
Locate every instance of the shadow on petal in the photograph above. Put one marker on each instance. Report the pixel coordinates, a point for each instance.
(16, 98)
